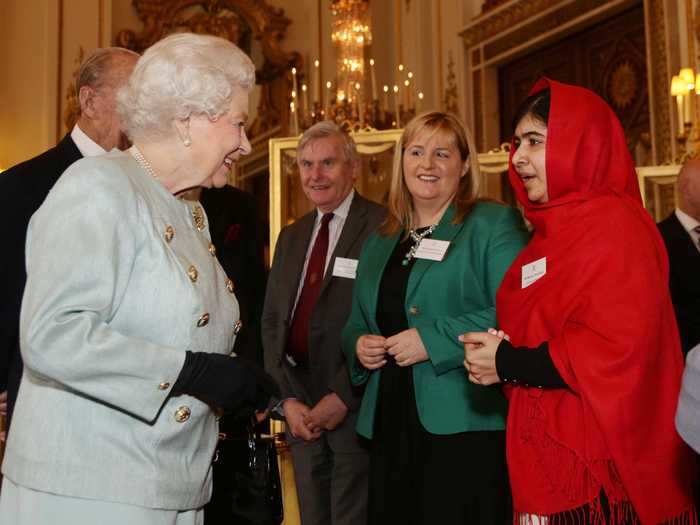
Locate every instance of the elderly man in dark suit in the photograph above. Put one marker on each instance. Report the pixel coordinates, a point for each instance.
(24, 187)
(681, 234)
(306, 305)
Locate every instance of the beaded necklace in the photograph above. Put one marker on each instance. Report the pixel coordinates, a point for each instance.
(416, 238)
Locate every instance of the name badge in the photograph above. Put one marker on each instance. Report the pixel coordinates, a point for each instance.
(432, 249)
(533, 271)
(345, 268)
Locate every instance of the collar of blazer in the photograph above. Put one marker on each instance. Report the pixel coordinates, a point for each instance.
(384, 246)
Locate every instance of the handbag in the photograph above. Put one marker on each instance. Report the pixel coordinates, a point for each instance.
(247, 488)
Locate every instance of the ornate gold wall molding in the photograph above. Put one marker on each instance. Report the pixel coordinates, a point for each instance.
(451, 98)
(657, 52)
(244, 22)
(515, 28)
(502, 19)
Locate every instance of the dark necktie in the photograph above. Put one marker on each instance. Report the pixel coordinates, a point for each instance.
(298, 342)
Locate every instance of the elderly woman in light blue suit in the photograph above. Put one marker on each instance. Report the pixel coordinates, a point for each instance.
(128, 319)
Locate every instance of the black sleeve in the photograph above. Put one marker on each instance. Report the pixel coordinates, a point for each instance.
(527, 366)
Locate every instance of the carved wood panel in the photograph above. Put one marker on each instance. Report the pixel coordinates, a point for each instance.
(609, 58)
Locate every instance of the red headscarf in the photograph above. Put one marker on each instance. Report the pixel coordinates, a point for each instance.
(604, 308)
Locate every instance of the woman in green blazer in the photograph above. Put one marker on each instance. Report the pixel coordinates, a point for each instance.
(429, 274)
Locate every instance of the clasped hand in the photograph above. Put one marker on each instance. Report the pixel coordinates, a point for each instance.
(480, 355)
(308, 423)
(406, 347)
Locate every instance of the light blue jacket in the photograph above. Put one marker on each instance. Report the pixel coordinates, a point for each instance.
(112, 303)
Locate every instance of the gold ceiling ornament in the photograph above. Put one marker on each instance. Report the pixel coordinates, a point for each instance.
(623, 85)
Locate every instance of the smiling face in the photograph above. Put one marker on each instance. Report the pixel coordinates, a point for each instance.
(433, 167)
(326, 175)
(218, 143)
(529, 158)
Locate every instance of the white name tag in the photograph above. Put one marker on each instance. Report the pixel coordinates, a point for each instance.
(345, 267)
(432, 249)
(533, 271)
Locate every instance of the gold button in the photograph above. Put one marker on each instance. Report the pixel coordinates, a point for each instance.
(182, 414)
(164, 385)
(169, 233)
(229, 285)
(203, 321)
(192, 273)
(413, 310)
(233, 354)
(212, 249)
(237, 327)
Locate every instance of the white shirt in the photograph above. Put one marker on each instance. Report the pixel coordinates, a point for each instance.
(689, 223)
(335, 228)
(86, 146)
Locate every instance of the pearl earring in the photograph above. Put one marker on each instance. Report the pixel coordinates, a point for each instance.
(187, 142)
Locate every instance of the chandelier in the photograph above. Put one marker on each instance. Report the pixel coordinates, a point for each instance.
(352, 101)
(350, 34)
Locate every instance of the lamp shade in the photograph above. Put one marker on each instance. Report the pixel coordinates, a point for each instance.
(688, 76)
(678, 86)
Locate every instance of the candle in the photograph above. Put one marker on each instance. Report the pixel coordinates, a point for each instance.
(358, 98)
(386, 97)
(305, 93)
(317, 81)
(419, 104)
(328, 100)
(295, 117)
(407, 95)
(396, 107)
(373, 79)
(681, 127)
(686, 106)
(294, 80)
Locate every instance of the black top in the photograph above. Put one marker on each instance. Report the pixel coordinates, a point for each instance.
(391, 309)
(527, 366)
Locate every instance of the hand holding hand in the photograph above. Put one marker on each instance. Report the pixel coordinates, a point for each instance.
(370, 351)
(328, 413)
(407, 347)
(295, 414)
(480, 356)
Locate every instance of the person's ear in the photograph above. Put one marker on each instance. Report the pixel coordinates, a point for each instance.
(182, 127)
(86, 97)
(465, 168)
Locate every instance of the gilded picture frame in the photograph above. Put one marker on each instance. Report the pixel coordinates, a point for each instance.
(378, 151)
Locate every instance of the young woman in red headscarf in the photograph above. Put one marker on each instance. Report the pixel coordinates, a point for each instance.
(592, 363)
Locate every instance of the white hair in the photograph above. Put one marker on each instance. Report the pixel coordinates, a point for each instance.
(328, 128)
(182, 75)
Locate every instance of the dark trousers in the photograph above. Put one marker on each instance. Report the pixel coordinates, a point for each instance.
(418, 478)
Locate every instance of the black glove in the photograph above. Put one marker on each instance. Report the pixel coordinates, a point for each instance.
(229, 383)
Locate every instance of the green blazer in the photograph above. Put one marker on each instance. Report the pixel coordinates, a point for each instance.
(443, 300)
